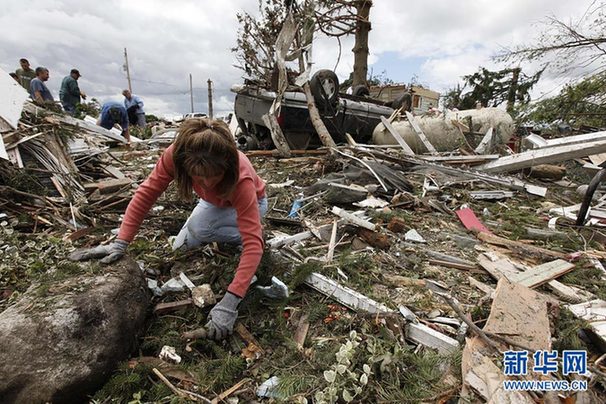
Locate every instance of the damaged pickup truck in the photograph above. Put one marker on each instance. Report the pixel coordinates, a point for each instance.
(356, 115)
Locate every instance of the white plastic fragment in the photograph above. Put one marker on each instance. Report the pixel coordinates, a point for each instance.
(413, 235)
(169, 354)
(173, 285)
(152, 284)
(277, 289)
(371, 202)
(267, 388)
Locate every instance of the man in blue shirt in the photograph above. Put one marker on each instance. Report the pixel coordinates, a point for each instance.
(112, 112)
(134, 107)
(38, 90)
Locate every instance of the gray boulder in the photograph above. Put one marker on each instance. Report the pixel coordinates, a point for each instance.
(64, 338)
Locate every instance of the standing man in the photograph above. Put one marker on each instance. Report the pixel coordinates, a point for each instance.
(38, 90)
(112, 112)
(26, 74)
(134, 107)
(70, 92)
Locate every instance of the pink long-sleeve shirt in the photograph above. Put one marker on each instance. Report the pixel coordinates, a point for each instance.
(244, 199)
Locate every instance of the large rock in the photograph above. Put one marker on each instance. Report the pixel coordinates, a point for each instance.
(63, 339)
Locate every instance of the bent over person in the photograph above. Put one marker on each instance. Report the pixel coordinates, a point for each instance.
(204, 159)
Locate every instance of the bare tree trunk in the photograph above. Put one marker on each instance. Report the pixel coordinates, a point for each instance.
(360, 49)
(513, 89)
(316, 120)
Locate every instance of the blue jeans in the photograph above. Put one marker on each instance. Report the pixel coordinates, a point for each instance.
(208, 223)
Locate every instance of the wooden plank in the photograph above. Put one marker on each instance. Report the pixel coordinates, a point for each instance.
(344, 295)
(407, 150)
(485, 378)
(471, 221)
(489, 290)
(417, 129)
(301, 332)
(543, 156)
(543, 273)
(597, 159)
(486, 143)
(108, 186)
(568, 140)
(461, 159)
(163, 308)
(114, 171)
(424, 335)
(536, 141)
(418, 333)
(520, 314)
(530, 249)
(353, 219)
(501, 266)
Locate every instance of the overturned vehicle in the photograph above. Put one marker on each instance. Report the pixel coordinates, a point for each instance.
(354, 114)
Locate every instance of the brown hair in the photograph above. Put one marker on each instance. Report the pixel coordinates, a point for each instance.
(205, 148)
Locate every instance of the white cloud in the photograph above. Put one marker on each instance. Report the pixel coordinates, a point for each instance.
(168, 40)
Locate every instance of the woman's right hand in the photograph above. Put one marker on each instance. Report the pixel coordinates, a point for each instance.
(110, 253)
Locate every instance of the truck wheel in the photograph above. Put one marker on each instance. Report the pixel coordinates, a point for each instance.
(404, 101)
(325, 88)
(360, 91)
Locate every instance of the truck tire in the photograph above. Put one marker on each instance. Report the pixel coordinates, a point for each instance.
(404, 101)
(360, 90)
(325, 88)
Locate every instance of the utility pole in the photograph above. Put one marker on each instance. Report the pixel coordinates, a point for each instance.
(191, 94)
(210, 99)
(130, 88)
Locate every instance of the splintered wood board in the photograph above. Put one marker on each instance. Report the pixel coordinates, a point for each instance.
(520, 314)
(543, 273)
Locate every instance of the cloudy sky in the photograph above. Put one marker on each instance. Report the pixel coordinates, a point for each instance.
(436, 42)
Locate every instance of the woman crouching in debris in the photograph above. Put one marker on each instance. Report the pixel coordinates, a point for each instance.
(204, 159)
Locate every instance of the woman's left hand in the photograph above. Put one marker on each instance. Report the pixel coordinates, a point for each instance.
(223, 317)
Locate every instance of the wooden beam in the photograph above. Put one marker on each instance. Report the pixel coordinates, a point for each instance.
(424, 335)
(568, 140)
(543, 156)
(461, 159)
(530, 249)
(344, 295)
(405, 147)
(543, 273)
(353, 219)
(417, 129)
(418, 333)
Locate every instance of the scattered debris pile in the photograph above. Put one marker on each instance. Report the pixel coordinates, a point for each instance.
(388, 275)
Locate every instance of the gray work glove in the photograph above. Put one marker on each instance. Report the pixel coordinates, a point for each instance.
(222, 317)
(112, 252)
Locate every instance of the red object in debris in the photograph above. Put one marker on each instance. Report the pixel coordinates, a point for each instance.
(471, 221)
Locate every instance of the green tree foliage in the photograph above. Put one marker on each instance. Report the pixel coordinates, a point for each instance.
(582, 103)
(492, 88)
(255, 44)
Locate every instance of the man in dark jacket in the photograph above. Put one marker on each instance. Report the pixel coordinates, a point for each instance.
(70, 92)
